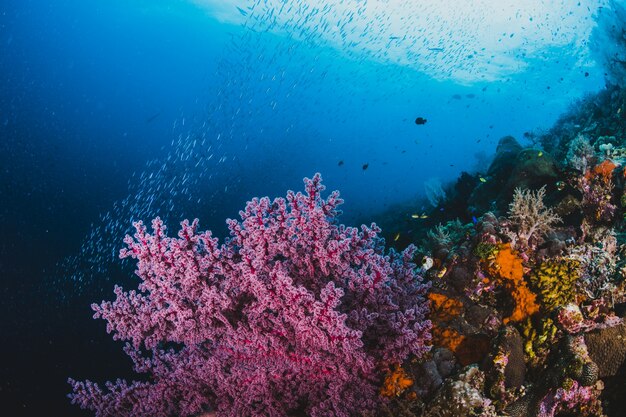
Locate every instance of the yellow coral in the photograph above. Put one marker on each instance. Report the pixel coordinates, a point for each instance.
(554, 281)
(396, 382)
(538, 337)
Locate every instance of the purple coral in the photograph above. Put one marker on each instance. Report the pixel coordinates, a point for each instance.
(575, 396)
(292, 314)
(596, 202)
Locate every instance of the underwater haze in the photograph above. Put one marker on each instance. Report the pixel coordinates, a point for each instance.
(117, 111)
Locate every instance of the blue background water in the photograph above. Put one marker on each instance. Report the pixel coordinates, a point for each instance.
(113, 111)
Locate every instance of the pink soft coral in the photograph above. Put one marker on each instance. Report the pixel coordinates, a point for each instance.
(292, 314)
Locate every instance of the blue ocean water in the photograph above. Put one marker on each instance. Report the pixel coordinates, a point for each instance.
(114, 111)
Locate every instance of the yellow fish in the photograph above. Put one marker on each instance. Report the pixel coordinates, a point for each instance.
(482, 179)
(415, 216)
(424, 216)
(395, 239)
(540, 154)
(442, 272)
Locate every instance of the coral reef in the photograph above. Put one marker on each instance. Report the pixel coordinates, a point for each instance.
(507, 301)
(293, 314)
(528, 291)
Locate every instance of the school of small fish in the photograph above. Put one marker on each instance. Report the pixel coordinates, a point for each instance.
(267, 68)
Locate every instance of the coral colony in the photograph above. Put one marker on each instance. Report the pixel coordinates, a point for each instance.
(292, 315)
(516, 312)
(511, 303)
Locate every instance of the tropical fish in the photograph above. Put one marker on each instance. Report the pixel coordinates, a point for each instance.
(420, 121)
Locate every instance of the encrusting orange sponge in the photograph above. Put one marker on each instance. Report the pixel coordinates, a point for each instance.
(396, 382)
(508, 266)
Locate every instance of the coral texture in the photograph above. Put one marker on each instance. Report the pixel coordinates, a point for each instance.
(532, 219)
(554, 281)
(508, 266)
(575, 398)
(505, 368)
(596, 187)
(462, 396)
(608, 349)
(396, 382)
(292, 314)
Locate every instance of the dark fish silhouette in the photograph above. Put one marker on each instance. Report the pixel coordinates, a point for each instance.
(340, 163)
(365, 166)
(154, 116)
(420, 121)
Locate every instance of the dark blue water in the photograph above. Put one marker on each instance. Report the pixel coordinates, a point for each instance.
(113, 111)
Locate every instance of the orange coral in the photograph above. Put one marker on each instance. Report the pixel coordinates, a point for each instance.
(444, 307)
(525, 304)
(508, 266)
(603, 171)
(443, 310)
(446, 337)
(396, 382)
(468, 349)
